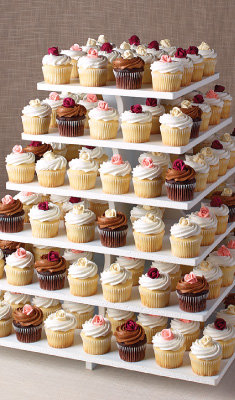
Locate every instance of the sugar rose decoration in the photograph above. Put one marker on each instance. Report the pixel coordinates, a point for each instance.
(102, 105)
(60, 315)
(205, 266)
(165, 58)
(17, 149)
(198, 99)
(212, 95)
(227, 192)
(82, 262)
(27, 309)
(220, 324)
(44, 206)
(150, 218)
(78, 209)
(206, 341)
(91, 42)
(98, 320)
(151, 102)
(107, 47)
(134, 40)
(111, 213)
(178, 165)
(216, 145)
(223, 251)
(141, 50)
(216, 202)
(185, 321)
(190, 278)
(93, 53)
(84, 155)
(153, 273)
(147, 162)
(68, 102)
(115, 268)
(117, 159)
(167, 334)
(53, 50)
(128, 55)
(184, 221)
(91, 98)
(153, 45)
(176, 112)
(75, 200)
(8, 199)
(130, 326)
(20, 253)
(192, 50)
(54, 96)
(53, 256)
(219, 88)
(137, 109)
(180, 53)
(204, 212)
(75, 47)
(35, 143)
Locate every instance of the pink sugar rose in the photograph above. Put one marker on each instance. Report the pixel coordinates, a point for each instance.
(212, 95)
(223, 251)
(231, 244)
(204, 212)
(17, 149)
(75, 47)
(20, 253)
(27, 309)
(178, 165)
(98, 320)
(77, 251)
(27, 193)
(8, 199)
(165, 58)
(167, 334)
(190, 278)
(102, 105)
(54, 96)
(148, 162)
(186, 321)
(117, 159)
(91, 98)
(43, 206)
(93, 53)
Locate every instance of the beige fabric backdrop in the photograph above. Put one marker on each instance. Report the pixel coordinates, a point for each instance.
(28, 28)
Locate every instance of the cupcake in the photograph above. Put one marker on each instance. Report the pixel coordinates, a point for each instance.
(170, 104)
(98, 206)
(56, 67)
(228, 198)
(221, 212)
(5, 319)
(185, 239)
(60, 328)
(97, 154)
(134, 265)
(216, 105)
(38, 149)
(229, 299)
(228, 314)
(147, 179)
(59, 201)
(60, 149)
(118, 317)
(226, 262)
(72, 151)
(131, 341)
(189, 329)
(36, 118)
(161, 159)
(152, 324)
(169, 348)
(123, 46)
(103, 122)
(80, 224)
(223, 154)
(140, 211)
(90, 44)
(153, 48)
(195, 113)
(51, 170)
(228, 144)
(82, 172)
(198, 63)
(28, 199)
(27, 323)
(156, 111)
(16, 300)
(89, 101)
(2, 263)
(115, 175)
(222, 333)
(75, 53)
(93, 69)
(83, 278)
(8, 247)
(205, 356)
(199, 101)
(175, 128)
(213, 275)
(70, 118)
(212, 160)
(47, 306)
(20, 166)
(210, 58)
(173, 270)
(226, 98)
(116, 284)
(180, 181)
(166, 74)
(82, 312)
(96, 335)
(68, 204)
(128, 70)
(51, 271)
(167, 47)
(201, 168)
(38, 251)
(207, 222)
(148, 58)
(192, 292)
(71, 256)
(181, 57)
(111, 54)
(155, 288)
(54, 101)
(19, 268)
(136, 125)
(44, 219)
(148, 233)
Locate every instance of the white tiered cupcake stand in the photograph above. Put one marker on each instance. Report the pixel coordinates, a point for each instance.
(148, 365)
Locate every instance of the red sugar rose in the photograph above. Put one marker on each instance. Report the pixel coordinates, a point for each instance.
(130, 326)
(153, 45)
(43, 206)
(53, 256)
(178, 165)
(53, 50)
(198, 99)
(220, 324)
(107, 47)
(180, 53)
(68, 102)
(35, 144)
(219, 88)
(137, 109)
(216, 145)
(216, 201)
(153, 273)
(151, 102)
(134, 40)
(192, 50)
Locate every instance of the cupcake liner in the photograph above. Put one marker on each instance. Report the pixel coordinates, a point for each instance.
(166, 82)
(226, 110)
(100, 345)
(74, 73)
(168, 358)
(80, 234)
(115, 184)
(213, 173)
(175, 279)
(185, 248)
(98, 208)
(112, 238)
(205, 367)
(223, 166)
(53, 123)
(93, 76)
(103, 130)
(46, 229)
(1, 268)
(175, 136)
(180, 192)
(190, 338)
(12, 224)
(28, 334)
(215, 115)
(26, 209)
(136, 133)
(214, 289)
(50, 310)
(83, 287)
(117, 293)
(151, 332)
(222, 222)
(71, 128)
(209, 66)
(148, 243)
(110, 74)
(58, 75)
(195, 129)
(23, 173)
(51, 282)
(128, 79)
(115, 323)
(36, 125)
(147, 76)
(147, 188)
(228, 275)
(82, 318)
(231, 162)
(198, 72)
(205, 121)
(59, 339)
(51, 178)
(154, 298)
(86, 121)
(132, 353)
(228, 347)
(155, 130)
(5, 327)
(187, 76)
(80, 180)
(192, 303)
(136, 274)
(72, 151)
(201, 181)
(19, 276)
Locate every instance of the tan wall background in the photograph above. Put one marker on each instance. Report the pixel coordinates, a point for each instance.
(28, 28)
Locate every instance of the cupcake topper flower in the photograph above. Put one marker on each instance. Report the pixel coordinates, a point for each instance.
(206, 151)
(217, 145)
(98, 320)
(147, 162)
(44, 206)
(20, 253)
(150, 218)
(75, 200)
(223, 251)
(198, 99)
(107, 47)
(231, 244)
(77, 251)
(128, 55)
(34, 143)
(206, 341)
(216, 202)
(167, 334)
(117, 159)
(231, 309)
(205, 266)
(91, 42)
(136, 109)
(60, 315)
(84, 155)
(148, 208)
(125, 46)
(165, 58)
(153, 45)
(204, 212)
(178, 165)
(220, 324)
(198, 158)
(82, 262)
(186, 321)
(27, 309)
(78, 209)
(134, 40)
(90, 147)
(8, 199)
(204, 46)
(91, 98)
(17, 149)
(141, 50)
(227, 192)
(92, 53)
(190, 278)
(212, 95)
(53, 256)
(226, 138)
(26, 194)
(186, 104)
(68, 102)
(180, 53)
(192, 50)
(111, 213)
(54, 96)
(53, 50)
(219, 88)
(102, 105)
(151, 102)
(176, 112)
(102, 39)
(115, 268)
(184, 221)
(75, 47)
(49, 155)
(130, 326)
(153, 273)
(165, 43)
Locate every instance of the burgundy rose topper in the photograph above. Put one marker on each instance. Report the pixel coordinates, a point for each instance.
(153, 273)
(192, 50)
(75, 200)
(68, 102)
(107, 47)
(216, 201)
(151, 102)
(216, 145)
(178, 165)
(220, 324)
(130, 326)
(198, 99)
(53, 256)
(134, 40)
(137, 109)
(43, 206)
(180, 53)
(219, 88)
(34, 143)
(153, 45)
(54, 51)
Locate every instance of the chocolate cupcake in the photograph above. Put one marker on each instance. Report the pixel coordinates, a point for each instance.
(131, 341)
(11, 215)
(128, 71)
(70, 118)
(180, 181)
(27, 322)
(8, 247)
(38, 149)
(51, 271)
(192, 292)
(230, 299)
(195, 113)
(227, 196)
(112, 227)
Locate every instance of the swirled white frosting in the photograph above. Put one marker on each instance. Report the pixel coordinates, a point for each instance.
(5, 310)
(140, 211)
(16, 298)
(119, 315)
(134, 118)
(56, 198)
(206, 352)
(196, 59)
(142, 172)
(41, 110)
(95, 153)
(227, 333)
(48, 215)
(113, 278)
(155, 111)
(92, 62)
(167, 47)
(186, 62)
(199, 167)
(67, 206)
(209, 222)
(20, 158)
(161, 159)
(212, 101)
(59, 148)
(166, 268)
(50, 59)
(180, 121)
(89, 105)
(96, 331)
(203, 106)
(83, 270)
(16, 262)
(205, 51)
(224, 96)
(166, 67)
(104, 115)
(87, 217)
(51, 162)
(151, 321)
(79, 164)
(77, 307)
(74, 54)
(110, 56)
(223, 261)
(230, 146)
(185, 231)
(174, 344)
(28, 198)
(163, 282)
(228, 316)
(186, 328)
(212, 273)
(117, 170)
(222, 153)
(148, 226)
(54, 104)
(212, 158)
(130, 263)
(55, 322)
(73, 256)
(221, 211)
(44, 302)
(75, 96)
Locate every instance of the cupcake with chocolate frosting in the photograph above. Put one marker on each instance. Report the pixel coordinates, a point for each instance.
(38, 149)
(192, 292)
(128, 70)
(131, 341)
(112, 227)
(27, 323)
(11, 215)
(8, 247)
(180, 181)
(51, 271)
(195, 113)
(227, 196)
(70, 118)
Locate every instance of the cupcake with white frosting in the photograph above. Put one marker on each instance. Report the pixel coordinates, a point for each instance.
(60, 328)
(20, 165)
(89, 101)
(152, 324)
(189, 329)
(5, 319)
(216, 105)
(213, 161)
(205, 108)
(156, 110)
(201, 168)
(82, 312)
(28, 199)
(169, 348)
(228, 314)
(155, 288)
(56, 67)
(2, 263)
(221, 212)
(71, 256)
(227, 99)
(213, 275)
(90, 44)
(118, 317)
(82, 171)
(224, 334)
(59, 149)
(224, 259)
(175, 128)
(36, 117)
(207, 222)
(96, 335)
(134, 265)
(75, 52)
(16, 300)
(80, 224)
(173, 270)
(136, 124)
(147, 179)
(210, 58)
(161, 159)
(185, 238)
(223, 154)
(83, 277)
(148, 233)
(140, 211)
(198, 63)
(205, 356)
(148, 59)
(60, 201)
(181, 57)
(116, 283)
(48, 306)
(93, 69)
(44, 219)
(167, 47)
(115, 175)
(54, 100)
(19, 267)
(111, 54)
(96, 153)
(166, 74)
(228, 144)
(103, 121)
(51, 169)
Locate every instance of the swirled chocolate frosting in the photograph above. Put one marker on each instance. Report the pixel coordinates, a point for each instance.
(129, 64)
(34, 318)
(112, 223)
(227, 200)
(194, 112)
(13, 208)
(77, 111)
(187, 174)
(197, 287)
(130, 338)
(9, 245)
(38, 150)
(53, 267)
